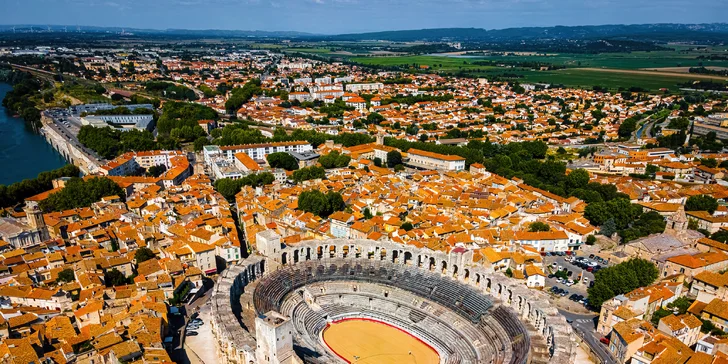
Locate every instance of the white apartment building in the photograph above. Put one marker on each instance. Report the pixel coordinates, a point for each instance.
(424, 159)
(259, 151)
(544, 241)
(358, 87)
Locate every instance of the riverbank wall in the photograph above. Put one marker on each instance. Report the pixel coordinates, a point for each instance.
(68, 149)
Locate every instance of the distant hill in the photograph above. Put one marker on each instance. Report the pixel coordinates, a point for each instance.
(713, 33)
(651, 32)
(217, 33)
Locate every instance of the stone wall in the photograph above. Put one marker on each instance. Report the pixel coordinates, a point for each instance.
(68, 150)
(532, 306)
(236, 344)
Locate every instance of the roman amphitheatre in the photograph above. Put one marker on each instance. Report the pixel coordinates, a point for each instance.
(364, 301)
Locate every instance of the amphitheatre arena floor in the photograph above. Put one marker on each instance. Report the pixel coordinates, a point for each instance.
(368, 342)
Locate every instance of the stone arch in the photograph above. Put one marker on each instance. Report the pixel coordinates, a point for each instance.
(320, 251)
(284, 258)
(332, 251)
(383, 254)
(455, 270)
(345, 251)
(443, 267)
(488, 283)
(295, 256)
(466, 275)
(395, 256)
(477, 279)
(433, 264)
(407, 258)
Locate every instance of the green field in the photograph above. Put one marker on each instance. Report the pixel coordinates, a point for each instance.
(572, 77)
(587, 78)
(634, 60)
(317, 50)
(436, 63)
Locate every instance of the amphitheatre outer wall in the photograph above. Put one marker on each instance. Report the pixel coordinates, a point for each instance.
(237, 345)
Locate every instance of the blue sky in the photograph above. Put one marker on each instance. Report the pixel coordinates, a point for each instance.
(345, 16)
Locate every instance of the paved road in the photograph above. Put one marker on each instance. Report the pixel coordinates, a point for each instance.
(71, 133)
(585, 327)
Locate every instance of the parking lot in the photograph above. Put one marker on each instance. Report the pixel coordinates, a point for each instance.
(200, 345)
(68, 125)
(579, 277)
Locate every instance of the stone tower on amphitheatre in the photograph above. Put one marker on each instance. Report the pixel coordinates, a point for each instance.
(35, 219)
(274, 334)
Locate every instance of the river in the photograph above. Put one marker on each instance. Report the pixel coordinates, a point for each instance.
(23, 153)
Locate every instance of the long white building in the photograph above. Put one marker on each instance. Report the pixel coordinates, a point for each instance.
(358, 87)
(430, 160)
(255, 151)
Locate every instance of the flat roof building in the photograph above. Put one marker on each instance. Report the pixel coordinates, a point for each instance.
(429, 160)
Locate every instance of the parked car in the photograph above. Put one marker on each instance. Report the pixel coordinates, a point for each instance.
(591, 256)
(604, 341)
(191, 333)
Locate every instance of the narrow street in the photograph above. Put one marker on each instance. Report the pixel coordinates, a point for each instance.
(585, 327)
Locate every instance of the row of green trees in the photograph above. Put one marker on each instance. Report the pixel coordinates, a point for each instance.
(240, 133)
(320, 204)
(241, 95)
(183, 117)
(621, 216)
(19, 191)
(228, 188)
(308, 173)
(110, 143)
(170, 90)
(334, 160)
(282, 160)
(81, 193)
(620, 279)
(21, 100)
